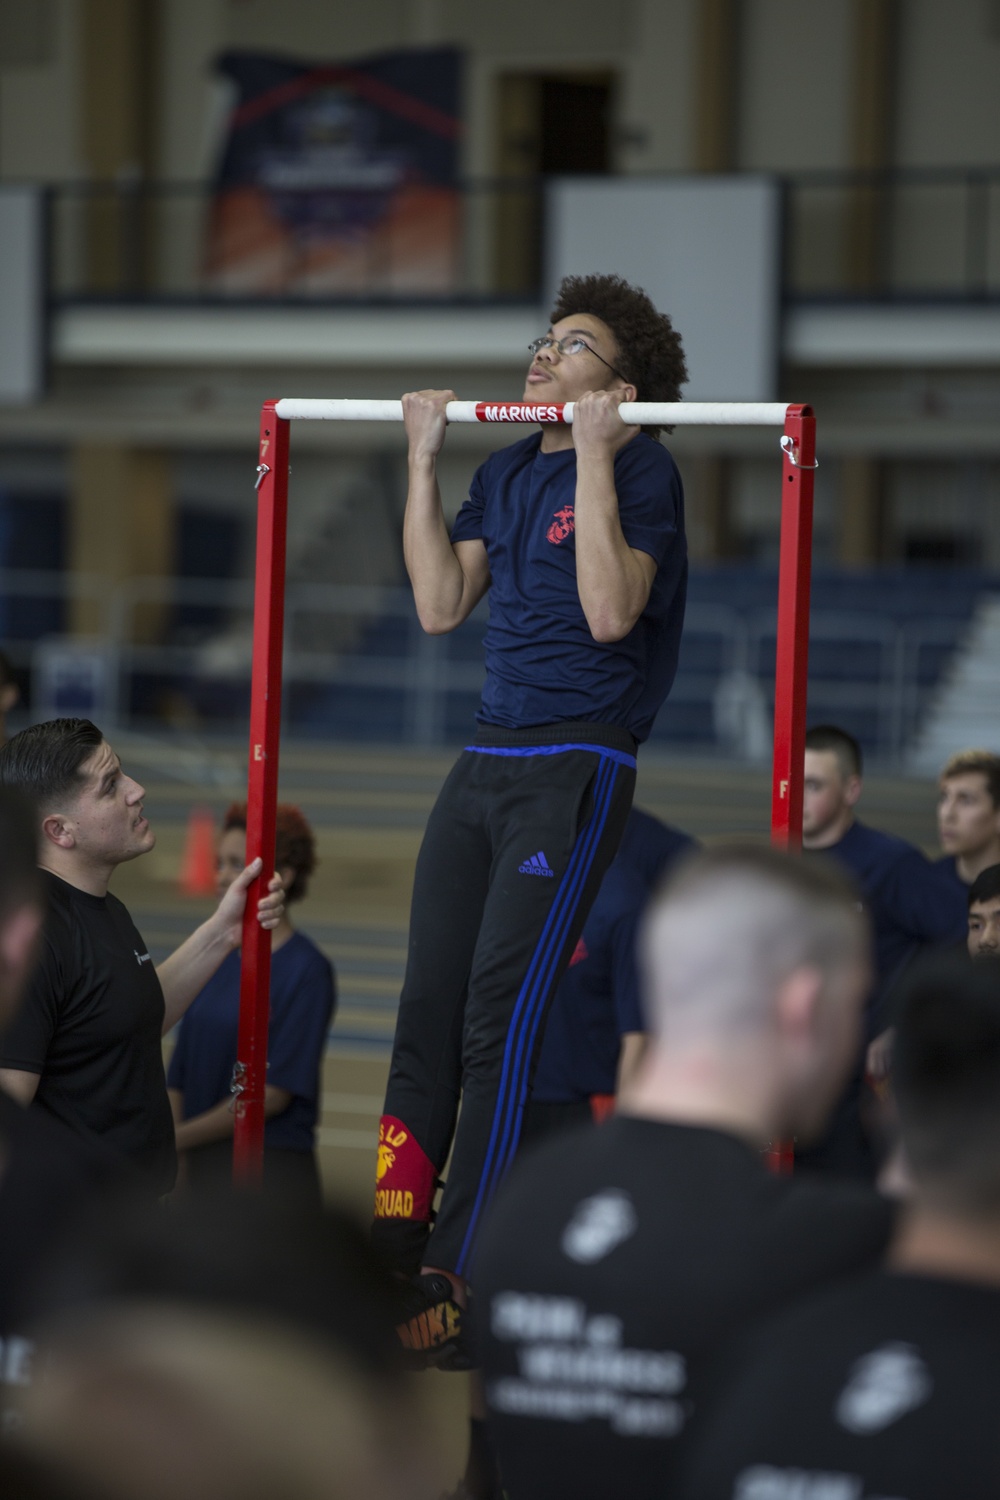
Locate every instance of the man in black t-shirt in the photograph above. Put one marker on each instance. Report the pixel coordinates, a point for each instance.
(890, 1386)
(85, 1046)
(620, 1256)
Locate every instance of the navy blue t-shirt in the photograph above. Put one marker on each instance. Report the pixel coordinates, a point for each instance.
(543, 666)
(947, 869)
(909, 903)
(597, 1002)
(303, 998)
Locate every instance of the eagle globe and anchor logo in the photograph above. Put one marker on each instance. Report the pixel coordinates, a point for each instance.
(390, 1203)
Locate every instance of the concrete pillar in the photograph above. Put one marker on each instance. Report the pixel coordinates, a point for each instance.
(711, 531)
(121, 527)
(717, 86)
(118, 105)
(861, 522)
(876, 49)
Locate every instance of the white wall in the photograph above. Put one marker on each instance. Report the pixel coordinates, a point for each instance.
(705, 249)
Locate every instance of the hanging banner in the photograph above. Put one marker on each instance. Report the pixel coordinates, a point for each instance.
(339, 179)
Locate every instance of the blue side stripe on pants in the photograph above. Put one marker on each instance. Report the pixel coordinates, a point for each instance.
(572, 888)
(530, 1002)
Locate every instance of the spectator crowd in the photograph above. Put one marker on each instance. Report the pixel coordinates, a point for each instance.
(656, 1309)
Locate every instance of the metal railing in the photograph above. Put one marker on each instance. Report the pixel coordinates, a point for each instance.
(905, 232)
(389, 681)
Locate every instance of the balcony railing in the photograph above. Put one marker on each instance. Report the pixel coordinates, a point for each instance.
(907, 233)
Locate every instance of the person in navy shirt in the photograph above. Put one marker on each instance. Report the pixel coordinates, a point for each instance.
(303, 999)
(577, 533)
(596, 1013)
(909, 906)
(968, 815)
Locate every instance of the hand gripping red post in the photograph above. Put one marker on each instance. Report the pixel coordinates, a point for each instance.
(250, 1073)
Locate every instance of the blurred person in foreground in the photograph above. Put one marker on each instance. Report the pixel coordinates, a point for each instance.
(983, 939)
(890, 1385)
(619, 1257)
(910, 908)
(234, 1346)
(303, 998)
(177, 1404)
(85, 1047)
(968, 817)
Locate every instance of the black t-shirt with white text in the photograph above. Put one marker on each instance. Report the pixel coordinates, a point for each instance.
(90, 1026)
(616, 1260)
(886, 1387)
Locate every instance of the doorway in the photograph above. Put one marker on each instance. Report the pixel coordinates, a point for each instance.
(548, 124)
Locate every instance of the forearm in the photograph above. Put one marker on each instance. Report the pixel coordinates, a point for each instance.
(219, 1122)
(439, 584)
(191, 966)
(633, 1050)
(611, 583)
(19, 1085)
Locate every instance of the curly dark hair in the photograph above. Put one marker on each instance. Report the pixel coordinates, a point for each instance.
(650, 352)
(295, 844)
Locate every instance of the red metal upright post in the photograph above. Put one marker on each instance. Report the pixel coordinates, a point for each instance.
(262, 792)
(792, 663)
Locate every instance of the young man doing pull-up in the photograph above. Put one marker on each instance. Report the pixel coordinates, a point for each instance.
(578, 535)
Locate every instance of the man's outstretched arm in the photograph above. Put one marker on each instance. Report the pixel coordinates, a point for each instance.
(613, 579)
(448, 579)
(191, 966)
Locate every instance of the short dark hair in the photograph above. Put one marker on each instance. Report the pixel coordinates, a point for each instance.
(294, 845)
(20, 882)
(844, 746)
(986, 886)
(946, 1071)
(43, 762)
(8, 677)
(650, 352)
(976, 762)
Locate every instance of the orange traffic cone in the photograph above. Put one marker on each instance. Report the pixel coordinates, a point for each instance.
(197, 876)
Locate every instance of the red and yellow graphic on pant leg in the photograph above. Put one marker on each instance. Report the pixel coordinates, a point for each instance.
(405, 1177)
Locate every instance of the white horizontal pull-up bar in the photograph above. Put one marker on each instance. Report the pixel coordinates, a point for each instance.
(641, 413)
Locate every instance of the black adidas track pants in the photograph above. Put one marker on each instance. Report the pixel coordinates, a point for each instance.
(513, 856)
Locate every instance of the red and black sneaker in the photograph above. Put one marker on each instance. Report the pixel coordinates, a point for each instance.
(432, 1326)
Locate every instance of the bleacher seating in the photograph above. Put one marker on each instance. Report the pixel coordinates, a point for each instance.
(880, 642)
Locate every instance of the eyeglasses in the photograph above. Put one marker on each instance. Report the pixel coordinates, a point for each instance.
(571, 344)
